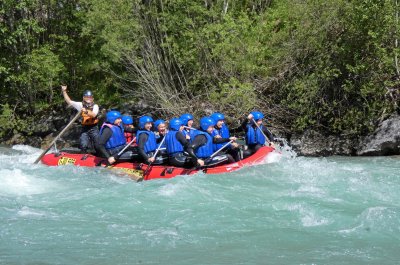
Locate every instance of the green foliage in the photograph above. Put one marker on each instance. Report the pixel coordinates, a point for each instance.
(42, 74)
(6, 120)
(325, 64)
(234, 98)
(342, 53)
(11, 123)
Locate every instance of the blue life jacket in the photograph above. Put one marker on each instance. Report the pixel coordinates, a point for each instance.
(151, 144)
(191, 133)
(117, 138)
(207, 149)
(224, 133)
(173, 145)
(254, 135)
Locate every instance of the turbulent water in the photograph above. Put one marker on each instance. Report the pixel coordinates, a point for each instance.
(298, 210)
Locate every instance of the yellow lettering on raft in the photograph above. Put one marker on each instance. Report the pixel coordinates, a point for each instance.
(66, 161)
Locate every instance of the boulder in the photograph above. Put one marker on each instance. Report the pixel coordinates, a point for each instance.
(313, 143)
(385, 140)
(15, 139)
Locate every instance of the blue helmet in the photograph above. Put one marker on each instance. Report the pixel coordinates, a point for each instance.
(257, 115)
(112, 115)
(185, 118)
(206, 122)
(175, 124)
(143, 120)
(158, 122)
(87, 93)
(127, 120)
(218, 116)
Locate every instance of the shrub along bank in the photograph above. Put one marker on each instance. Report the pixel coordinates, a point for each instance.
(325, 65)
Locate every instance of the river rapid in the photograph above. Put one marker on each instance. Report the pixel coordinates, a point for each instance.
(291, 210)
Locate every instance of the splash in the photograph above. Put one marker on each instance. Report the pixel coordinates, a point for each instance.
(18, 182)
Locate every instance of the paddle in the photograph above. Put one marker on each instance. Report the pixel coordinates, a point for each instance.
(190, 128)
(123, 149)
(117, 155)
(154, 156)
(211, 156)
(219, 150)
(58, 136)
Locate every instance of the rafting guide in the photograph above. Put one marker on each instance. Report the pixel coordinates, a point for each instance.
(89, 111)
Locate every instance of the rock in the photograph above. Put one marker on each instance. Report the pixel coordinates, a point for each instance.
(34, 141)
(69, 139)
(16, 139)
(313, 143)
(43, 127)
(384, 141)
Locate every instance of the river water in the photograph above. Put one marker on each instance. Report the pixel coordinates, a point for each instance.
(337, 210)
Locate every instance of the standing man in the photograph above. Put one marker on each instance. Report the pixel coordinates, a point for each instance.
(89, 111)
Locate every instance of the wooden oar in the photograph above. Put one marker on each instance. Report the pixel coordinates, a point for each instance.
(57, 137)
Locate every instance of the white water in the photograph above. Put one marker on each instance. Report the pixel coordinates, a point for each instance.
(292, 210)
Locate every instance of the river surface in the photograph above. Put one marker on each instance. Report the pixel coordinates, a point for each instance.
(337, 210)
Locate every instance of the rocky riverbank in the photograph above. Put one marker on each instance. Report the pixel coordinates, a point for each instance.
(385, 140)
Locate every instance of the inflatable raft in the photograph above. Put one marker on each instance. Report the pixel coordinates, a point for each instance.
(140, 171)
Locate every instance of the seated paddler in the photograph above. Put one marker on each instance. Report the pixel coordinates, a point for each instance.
(161, 131)
(147, 142)
(256, 134)
(127, 122)
(221, 131)
(179, 150)
(112, 139)
(189, 131)
(203, 144)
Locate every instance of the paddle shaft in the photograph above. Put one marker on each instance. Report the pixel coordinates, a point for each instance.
(57, 137)
(266, 138)
(219, 150)
(154, 156)
(190, 128)
(126, 146)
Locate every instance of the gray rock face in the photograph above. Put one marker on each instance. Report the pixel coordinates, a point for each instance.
(313, 143)
(384, 141)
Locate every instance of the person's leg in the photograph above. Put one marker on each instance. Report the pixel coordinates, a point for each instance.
(84, 140)
(94, 135)
(181, 160)
(219, 160)
(235, 153)
(248, 152)
(130, 154)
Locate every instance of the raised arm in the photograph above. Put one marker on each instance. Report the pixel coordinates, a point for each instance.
(66, 97)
